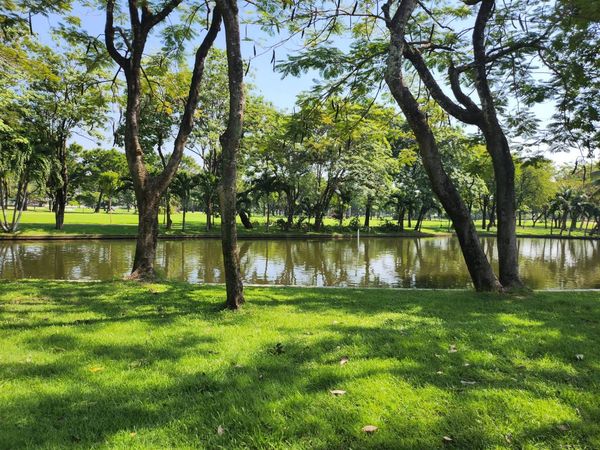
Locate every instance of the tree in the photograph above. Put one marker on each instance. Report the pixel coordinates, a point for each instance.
(149, 188)
(109, 182)
(479, 267)
(230, 142)
(183, 186)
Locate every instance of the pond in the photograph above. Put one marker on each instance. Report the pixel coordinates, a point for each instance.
(376, 262)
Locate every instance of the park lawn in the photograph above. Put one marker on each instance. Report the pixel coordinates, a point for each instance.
(126, 365)
(121, 222)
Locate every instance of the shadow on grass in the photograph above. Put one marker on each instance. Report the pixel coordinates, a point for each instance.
(163, 366)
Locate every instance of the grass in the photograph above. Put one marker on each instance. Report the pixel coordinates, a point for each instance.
(121, 222)
(125, 365)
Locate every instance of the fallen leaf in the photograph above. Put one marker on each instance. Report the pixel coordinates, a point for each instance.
(439, 372)
(452, 349)
(508, 438)
(220, 430)
(132, 434)
(337, 392)
(447, 439)
(466, 364)
(96, 369)
(369, 429)
(344, 360)
(579, 357)
(563, 427)
(467, 383)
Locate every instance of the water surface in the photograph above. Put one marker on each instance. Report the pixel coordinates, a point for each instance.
(377, 262)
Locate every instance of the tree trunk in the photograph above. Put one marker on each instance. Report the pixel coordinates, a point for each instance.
(245, 220)
(498, 148)
(230, 141)
(477, 263)
(290, 211)
(99, 202)
(168, 209)
(208, 213)
(147, 236)
(401, 218)
(484, 211)
(368, 212)
(183, 218)
(61, 192)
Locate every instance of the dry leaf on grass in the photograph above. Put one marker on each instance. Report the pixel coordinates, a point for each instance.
(96, 369)
(452, 349)
(337, 392)
(369, 429)
(467, 383)
(344, 360)
(220, 430)
(446, 439)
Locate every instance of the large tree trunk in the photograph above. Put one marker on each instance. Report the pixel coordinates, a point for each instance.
(147, 236)
(230, 141)
(504, 173)
(481, 272)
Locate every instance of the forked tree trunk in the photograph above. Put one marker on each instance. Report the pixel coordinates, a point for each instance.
(149, 188)
(481, 272)
(230, 141)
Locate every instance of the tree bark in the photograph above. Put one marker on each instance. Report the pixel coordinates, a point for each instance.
(481, 272)
(230, 142)
(145, 248)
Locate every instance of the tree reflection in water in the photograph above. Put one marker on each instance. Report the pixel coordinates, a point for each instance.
(379, 262)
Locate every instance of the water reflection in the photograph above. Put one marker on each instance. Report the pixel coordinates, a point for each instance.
(397, 262)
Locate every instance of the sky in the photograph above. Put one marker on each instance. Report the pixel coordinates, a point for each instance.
(271, 85)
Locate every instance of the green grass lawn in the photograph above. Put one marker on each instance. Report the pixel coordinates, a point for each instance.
(41, 222)
(125, 365)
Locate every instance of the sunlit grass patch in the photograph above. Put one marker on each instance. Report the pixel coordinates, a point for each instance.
(128, 365)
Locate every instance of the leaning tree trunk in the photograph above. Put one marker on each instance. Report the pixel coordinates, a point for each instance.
(481, 272)
(230, 141)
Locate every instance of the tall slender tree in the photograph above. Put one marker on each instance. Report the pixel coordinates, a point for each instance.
(230, 141)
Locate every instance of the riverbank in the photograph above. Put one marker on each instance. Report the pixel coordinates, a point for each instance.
(121, 364)
(39, 225)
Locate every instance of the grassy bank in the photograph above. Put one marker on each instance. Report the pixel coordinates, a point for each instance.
(123, 223)
(128, 365)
